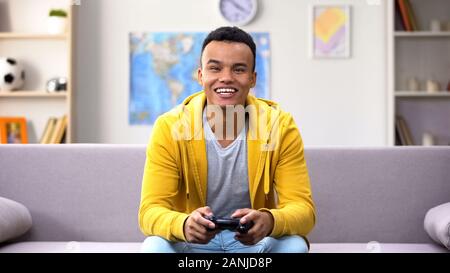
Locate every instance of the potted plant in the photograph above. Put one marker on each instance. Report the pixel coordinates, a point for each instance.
(56, 23)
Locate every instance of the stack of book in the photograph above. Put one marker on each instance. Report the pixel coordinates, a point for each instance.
(407, 17)
(402, 133)
(54, 131)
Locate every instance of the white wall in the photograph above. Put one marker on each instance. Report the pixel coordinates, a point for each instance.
(335, 102)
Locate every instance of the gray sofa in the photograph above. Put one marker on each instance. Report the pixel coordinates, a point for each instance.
(85, 197)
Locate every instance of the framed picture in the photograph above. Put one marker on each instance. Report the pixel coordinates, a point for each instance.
(13, 130)
(330, 31)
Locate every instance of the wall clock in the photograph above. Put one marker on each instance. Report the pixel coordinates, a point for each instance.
(238, 12)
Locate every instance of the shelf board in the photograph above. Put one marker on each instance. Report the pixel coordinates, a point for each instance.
(421, 34)
(422, 94)
(19, 35)
(32, 94)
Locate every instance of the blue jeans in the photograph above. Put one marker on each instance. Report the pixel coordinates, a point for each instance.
(224, 242)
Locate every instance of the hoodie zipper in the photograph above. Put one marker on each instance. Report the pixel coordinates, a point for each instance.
(187, 151)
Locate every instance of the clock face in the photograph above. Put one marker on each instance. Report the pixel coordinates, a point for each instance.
(238, 12)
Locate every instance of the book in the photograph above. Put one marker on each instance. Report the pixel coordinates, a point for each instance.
(398, 138)
(411, 15)
(404, 132)
(48, 131)
(399, 132)
(60, 128)
(399, 24)
(405, 15)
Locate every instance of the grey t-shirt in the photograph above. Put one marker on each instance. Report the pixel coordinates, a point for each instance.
(227, 173)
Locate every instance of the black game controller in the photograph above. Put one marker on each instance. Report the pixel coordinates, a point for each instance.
(232, 224)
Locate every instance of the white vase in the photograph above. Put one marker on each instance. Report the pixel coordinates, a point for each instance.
(433, 86)
(413, 84)
(435, 25)
(427, 139)
(56, 25)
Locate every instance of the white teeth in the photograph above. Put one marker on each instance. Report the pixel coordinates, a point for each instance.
(225, 90)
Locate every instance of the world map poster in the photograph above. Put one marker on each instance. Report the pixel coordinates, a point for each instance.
(163, 71)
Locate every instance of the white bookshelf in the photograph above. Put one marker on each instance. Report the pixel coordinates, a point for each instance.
(423, 94)
(44, 56)
(18, 35)
(33, 94)
(424, 34)
(424, 55)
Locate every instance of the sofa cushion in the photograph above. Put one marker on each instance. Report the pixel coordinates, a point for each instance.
(374, 247)
(134, 247)
(437, 224)
(15, 219)
(71, 247)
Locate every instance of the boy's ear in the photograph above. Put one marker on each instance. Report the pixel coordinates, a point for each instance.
(254, 79)
(200, 76)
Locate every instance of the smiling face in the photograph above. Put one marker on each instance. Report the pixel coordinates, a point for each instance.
(226, 73)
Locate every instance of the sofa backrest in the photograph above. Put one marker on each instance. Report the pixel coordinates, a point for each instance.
(91, 192)
(376, 194)
(76, 192)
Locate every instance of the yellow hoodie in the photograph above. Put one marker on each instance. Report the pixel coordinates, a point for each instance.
(175, 175)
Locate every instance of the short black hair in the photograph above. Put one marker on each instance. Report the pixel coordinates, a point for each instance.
(231, 34)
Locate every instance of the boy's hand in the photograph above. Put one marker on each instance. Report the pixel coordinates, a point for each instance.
(263, 225)
(195, 227)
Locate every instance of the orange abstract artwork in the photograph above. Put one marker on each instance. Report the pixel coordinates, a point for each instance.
(331, 31)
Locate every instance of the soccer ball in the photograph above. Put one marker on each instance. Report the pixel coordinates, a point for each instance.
(12, 74)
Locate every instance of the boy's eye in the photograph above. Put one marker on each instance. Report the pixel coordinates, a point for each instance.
(240, 70)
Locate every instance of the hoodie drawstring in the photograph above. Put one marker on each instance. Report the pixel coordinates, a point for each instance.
(185, 169)
(267, 175)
